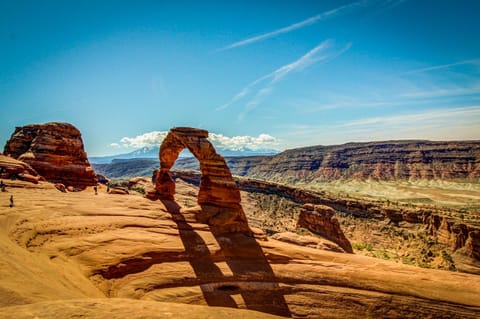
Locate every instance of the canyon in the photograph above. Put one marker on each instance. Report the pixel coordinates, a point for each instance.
(387, 160)
(376, 160)
(267, 244)
(447, 230)
(417, 172)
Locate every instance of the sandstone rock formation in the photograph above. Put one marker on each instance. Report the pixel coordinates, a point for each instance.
(102, 179)
(308, 241)
(123, 257)
(389, 160)
(12, 168)
(219, 197)
(140, 183)
(55, 151)
(453, 234)
(102, 308)
(119, 191)
(61, 187)
(320, 219)
(473, 244)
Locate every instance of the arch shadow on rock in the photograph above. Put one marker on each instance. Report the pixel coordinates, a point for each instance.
(252, 276)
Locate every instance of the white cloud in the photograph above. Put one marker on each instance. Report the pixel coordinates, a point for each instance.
(147, 139)
(220, 141)
(115, 145)
(298, 25)
(239, 143)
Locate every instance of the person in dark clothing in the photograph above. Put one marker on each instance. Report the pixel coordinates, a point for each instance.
(11, 201)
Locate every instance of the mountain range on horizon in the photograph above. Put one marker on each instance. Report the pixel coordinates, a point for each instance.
(148, 152)
(387, 160)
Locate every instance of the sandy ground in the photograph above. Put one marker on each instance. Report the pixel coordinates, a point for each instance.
(74, 254)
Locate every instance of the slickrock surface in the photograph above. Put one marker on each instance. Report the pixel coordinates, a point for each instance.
(218, 197)
(55, 151)
(321, 220)
(12, 168)
(118, 308)
(71, 252)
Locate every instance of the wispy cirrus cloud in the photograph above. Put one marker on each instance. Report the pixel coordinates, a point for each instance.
(233, 143)
(325, 51)
(444, 92)
(312, 20)
(433, 96)
(445, 66)
(439, 124)
(439, 116)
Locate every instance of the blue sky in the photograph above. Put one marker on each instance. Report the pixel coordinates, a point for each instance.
(272, 74)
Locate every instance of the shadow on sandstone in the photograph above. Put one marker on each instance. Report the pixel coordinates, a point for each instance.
(253, 278)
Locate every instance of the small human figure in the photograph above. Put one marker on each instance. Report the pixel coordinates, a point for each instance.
(2, 186)
(154, 176)
(108, 187)
(95, 189)
(11, 201)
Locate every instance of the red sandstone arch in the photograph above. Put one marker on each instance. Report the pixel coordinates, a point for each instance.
(218, 197)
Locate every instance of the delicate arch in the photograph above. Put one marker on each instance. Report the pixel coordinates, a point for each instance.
(218, 197)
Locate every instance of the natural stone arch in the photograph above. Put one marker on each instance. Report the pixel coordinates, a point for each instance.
(218, 197)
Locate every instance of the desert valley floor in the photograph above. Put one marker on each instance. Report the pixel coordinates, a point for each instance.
(77, 254)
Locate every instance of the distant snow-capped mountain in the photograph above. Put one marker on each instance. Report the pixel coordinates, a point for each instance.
(152, 152)
(144, 152)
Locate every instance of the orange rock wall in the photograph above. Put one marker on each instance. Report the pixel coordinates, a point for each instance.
(55, 151)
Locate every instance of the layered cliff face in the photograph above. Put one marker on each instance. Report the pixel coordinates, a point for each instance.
(377, 160)
(392, 160)
(55, 151)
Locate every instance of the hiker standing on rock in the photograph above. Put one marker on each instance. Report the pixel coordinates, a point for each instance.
(95, 189)
(11, 201)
